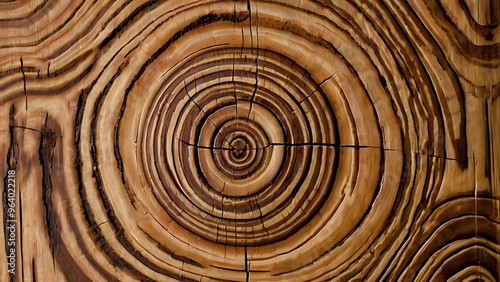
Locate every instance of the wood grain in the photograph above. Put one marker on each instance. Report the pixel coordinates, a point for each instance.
(251, 140)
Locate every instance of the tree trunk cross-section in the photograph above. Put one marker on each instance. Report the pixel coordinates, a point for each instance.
(311, 140)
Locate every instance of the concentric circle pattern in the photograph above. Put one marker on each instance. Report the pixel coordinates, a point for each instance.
(255, 140)
(239, 156)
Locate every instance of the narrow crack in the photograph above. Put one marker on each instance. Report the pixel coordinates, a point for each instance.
(256, 86)
(24, 127)
(318, 144)
(204, 113)
(246, 265)
(33, 272)
(317, 88)
(315, 144)
(24, 82)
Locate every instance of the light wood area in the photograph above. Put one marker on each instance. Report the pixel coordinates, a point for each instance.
(304, 140)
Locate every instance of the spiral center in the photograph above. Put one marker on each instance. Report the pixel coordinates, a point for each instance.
(239, 148)
(237, 153)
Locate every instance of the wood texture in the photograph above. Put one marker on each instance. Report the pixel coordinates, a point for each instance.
(251, 140)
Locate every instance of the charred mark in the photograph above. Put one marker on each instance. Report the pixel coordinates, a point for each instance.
(48, 141)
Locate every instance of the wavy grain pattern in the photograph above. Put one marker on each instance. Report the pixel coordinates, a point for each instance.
(251, 140)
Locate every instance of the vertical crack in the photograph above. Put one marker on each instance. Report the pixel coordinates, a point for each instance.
(256, 57)
(249, 8)
(246, 265)
(33, 272)
(24, 82)
(476, 253)
(489, 156)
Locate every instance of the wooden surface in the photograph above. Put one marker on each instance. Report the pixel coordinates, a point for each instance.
(251, 141)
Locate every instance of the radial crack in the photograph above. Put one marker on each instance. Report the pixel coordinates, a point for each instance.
(319, 144)
(246, 265)
(317, 88)
(204, 113)
(217, 148)
(256, 86)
